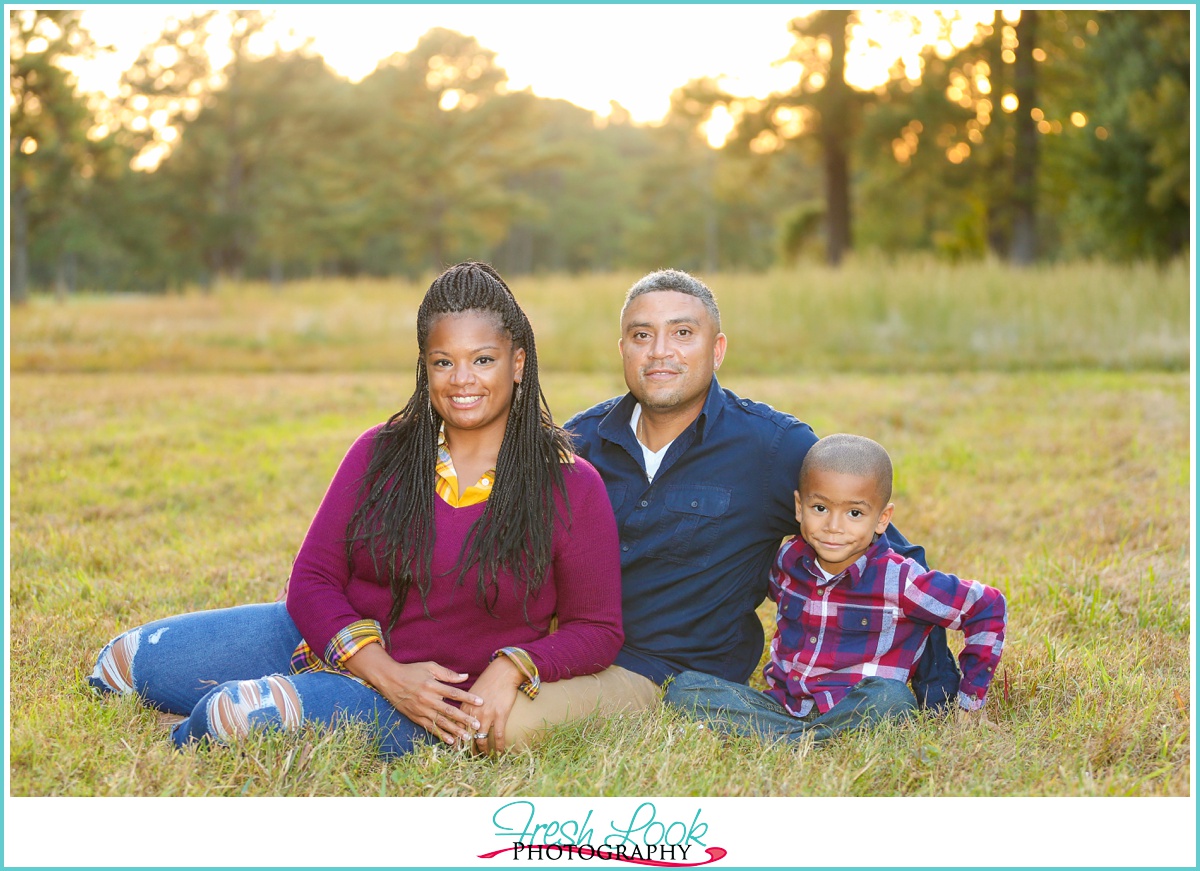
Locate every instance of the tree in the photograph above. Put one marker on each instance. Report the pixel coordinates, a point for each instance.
(983, 154)
(822, 107)
(836, 106)
(440, 141)
(704, 207)
(53, 161)
(577, 191)
(1135, 143)
(214, 131)
(256, 172)
(678, 214)
(1025, 151)
(823, 110)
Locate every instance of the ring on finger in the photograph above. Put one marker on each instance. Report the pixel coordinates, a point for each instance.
(479, 736)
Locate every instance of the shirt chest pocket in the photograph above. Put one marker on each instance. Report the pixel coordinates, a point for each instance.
(791, 620)
(692, 522)
(616, 495)
(791, 605)
(851, 619)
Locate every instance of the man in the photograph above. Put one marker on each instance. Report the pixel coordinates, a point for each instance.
(701, 482)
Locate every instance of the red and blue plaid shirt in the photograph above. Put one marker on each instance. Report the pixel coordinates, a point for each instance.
(872, 619)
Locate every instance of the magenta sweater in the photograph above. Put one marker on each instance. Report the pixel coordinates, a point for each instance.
(583, 586)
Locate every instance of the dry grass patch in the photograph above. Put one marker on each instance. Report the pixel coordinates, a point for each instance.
(869, 315)
(136, 496)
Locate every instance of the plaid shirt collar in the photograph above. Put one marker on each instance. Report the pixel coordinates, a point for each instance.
(447, 484)
(853, 573)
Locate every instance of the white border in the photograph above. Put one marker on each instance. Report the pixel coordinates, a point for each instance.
(765, 832)
(453, 832)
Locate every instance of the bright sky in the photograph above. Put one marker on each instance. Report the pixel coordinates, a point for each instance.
(633, 54)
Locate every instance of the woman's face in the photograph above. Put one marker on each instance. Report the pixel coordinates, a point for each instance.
(472, 367)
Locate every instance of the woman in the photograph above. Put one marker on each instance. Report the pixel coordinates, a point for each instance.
(422, 598)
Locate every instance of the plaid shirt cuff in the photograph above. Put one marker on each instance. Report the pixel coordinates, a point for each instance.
(970, 703)
(524, 664)
(351, 640)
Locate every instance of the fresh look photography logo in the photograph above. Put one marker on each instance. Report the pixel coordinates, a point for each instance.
(642, 838)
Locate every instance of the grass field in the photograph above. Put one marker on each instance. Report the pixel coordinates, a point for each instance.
(167, 455)
(867, 317)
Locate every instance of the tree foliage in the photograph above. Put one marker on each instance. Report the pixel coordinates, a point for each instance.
(1064, 128)
(54, 162)
(1108, 92)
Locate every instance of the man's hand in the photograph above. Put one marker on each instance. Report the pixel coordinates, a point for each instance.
(498, 687)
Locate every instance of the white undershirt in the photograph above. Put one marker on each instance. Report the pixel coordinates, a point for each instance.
(821, 569)
(653, 458)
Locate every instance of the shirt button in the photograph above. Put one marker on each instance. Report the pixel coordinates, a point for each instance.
(812, 640)
(625, 548)
(695, 504)
(864, 622)
(644, 503)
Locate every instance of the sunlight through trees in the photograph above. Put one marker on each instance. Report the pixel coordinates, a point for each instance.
(226, 153)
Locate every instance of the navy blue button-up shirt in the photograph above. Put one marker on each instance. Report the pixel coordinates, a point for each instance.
(697, 544)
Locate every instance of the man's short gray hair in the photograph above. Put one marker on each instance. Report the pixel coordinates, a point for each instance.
(680, 282)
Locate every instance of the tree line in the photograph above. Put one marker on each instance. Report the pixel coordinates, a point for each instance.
(1055, 134)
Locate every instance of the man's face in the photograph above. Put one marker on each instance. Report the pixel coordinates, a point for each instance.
(670, 348)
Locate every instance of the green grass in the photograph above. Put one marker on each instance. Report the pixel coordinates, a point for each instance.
(135, 495)
(870, 316)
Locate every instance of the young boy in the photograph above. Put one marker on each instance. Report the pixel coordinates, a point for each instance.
(853, 614)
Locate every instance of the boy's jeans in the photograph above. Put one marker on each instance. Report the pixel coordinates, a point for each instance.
(734, 707)
(229, 670)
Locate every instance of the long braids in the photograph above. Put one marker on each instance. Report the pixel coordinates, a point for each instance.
(394, 519)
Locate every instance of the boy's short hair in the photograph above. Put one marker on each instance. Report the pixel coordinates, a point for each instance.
(850, 455)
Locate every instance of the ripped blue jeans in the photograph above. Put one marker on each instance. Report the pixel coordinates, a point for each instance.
(228, 671)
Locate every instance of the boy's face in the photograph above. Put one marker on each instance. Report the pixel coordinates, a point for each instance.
(839, 516)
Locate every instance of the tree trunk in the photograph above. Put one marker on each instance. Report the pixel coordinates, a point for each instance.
(235, 254)
(997, 166)
(229, 209)
(19, 266)
(213, 279)
(837, 200)
(437, 233)
(62, 279)
(1025, 158)
(520, 249)
(711, 229)
(836, 129)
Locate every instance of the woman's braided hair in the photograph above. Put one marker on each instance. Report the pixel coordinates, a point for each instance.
(394, 518)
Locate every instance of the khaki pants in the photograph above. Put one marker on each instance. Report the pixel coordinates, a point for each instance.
(612, 691)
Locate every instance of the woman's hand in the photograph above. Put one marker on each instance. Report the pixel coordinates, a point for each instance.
(498, 687)
(419, 690)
